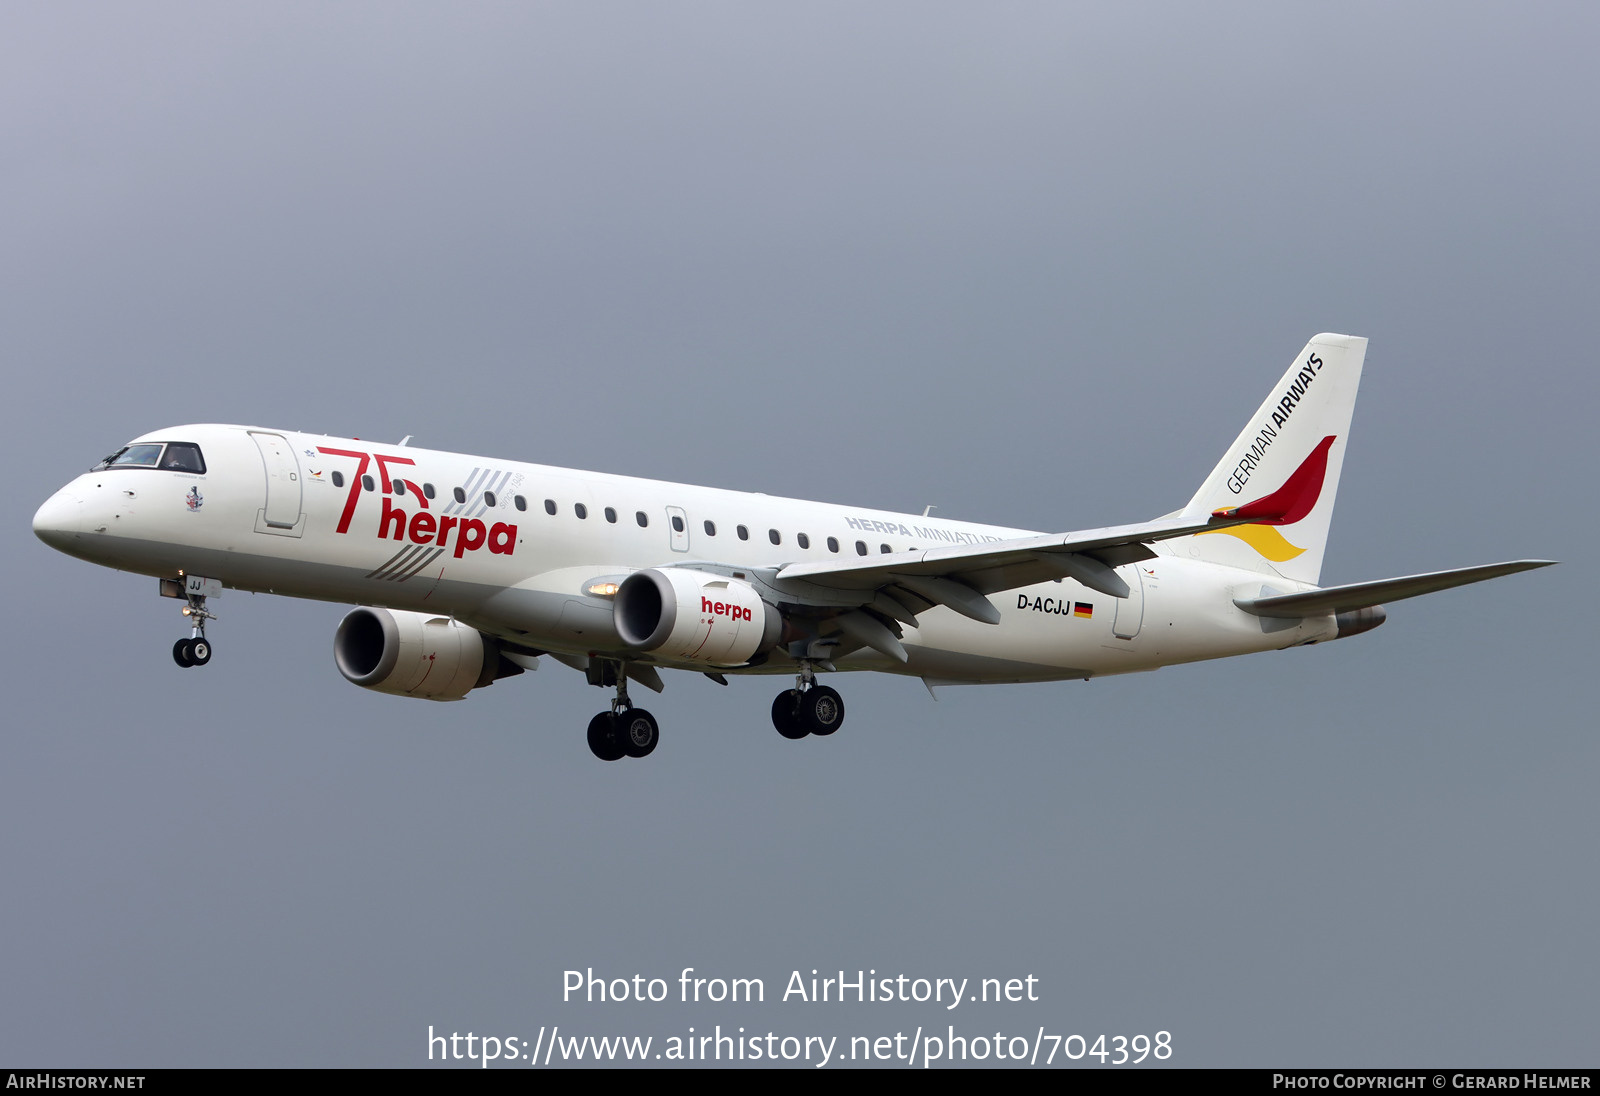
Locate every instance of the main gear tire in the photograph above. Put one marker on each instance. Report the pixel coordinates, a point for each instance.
(604, 741)
(637, 732)
(786, 714)
(822, 710)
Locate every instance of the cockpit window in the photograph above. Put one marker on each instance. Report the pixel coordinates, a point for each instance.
(179, 456)
(133, 456)
(182, 456)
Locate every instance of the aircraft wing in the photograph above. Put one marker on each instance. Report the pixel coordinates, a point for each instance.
(959, 576)
(1360, 595)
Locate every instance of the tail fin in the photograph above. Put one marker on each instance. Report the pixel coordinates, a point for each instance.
(1284, 467)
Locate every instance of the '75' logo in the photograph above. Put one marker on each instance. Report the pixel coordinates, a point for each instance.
(421, 527)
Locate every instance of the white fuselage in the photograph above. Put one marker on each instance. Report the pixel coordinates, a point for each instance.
(476, 539)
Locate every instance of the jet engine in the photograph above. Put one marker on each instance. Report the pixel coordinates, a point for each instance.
(415, 654)
(691, 616)
(1356, 621)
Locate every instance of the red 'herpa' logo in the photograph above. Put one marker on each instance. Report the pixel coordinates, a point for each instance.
(723, 608)
(421, 527)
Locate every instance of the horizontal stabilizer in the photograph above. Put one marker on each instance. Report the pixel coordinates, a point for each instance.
(1360, 595)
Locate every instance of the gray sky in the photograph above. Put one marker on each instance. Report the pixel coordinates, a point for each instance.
(1032, 263)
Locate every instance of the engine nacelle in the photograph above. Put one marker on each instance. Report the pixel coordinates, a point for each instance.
(691, 616)
(1356, 621)
(413, 654)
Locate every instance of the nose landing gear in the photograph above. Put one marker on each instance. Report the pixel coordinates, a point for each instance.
(192, 652)
(196, 650)
(808, 708)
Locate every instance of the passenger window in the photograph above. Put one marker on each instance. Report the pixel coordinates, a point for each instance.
(550, 507)
(368, 484)
(833, 544)
(772, 535)
(677, 524)
(861, 547)
(744, 534)
(183, 456)
(520, 502)
(643, 519)
(427, 488)
(581, 510)
(802, 540)
(338, 479)
(399, 486)
(461, 496)
(884, 548)
(488, 498)
(711, 528)
(611, 515)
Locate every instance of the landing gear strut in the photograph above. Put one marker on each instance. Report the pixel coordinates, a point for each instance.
(196, 650)
(808, 708)
(624, 731)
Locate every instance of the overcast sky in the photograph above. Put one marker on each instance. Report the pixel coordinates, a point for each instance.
(1032, 263)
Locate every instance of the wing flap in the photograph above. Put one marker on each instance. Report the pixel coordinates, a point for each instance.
(1361, 595)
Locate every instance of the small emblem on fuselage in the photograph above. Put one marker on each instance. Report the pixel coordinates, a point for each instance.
(194, 499)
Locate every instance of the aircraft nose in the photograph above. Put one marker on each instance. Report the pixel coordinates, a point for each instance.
(59, 520)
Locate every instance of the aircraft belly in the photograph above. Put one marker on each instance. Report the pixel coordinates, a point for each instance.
(306, 578)
(549, 612)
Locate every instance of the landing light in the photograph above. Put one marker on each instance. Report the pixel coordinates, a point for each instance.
(602, 589)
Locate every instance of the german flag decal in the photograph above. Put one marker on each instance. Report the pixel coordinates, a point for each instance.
(1082, 609)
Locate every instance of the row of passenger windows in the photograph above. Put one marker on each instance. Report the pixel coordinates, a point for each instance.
(741, 531)
(582, 512)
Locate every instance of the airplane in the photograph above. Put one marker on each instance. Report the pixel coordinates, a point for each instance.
(469, 569)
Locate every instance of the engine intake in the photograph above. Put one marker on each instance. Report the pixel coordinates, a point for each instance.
(694, 617)
(415, 654)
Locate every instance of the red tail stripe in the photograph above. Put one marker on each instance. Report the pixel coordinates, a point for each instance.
(1299, 493)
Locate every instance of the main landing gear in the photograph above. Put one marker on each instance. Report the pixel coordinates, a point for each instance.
(808, 708)
(196, 650)
(624, 731)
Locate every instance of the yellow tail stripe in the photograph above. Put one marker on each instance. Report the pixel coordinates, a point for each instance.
(1264, 539)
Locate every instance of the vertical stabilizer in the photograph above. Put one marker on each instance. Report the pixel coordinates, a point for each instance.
(1284, 467)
